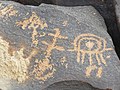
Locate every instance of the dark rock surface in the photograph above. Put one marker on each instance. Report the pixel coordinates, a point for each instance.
(30, 2)
(40, 46)
(71, 85)
(105, 7)
(118, 12)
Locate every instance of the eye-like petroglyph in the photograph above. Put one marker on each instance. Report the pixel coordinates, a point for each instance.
(44, 69)
(14, 66)
(93, 45)
(7, 11)
(33, 23)
(42, 34)
(90, 45)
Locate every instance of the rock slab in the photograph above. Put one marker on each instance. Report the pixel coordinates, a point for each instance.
(40, 46)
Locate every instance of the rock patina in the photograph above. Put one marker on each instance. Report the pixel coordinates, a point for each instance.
(117, 6)
(43, 45)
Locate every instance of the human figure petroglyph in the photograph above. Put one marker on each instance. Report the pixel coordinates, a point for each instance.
(33, 23)
(8, 11)
(93, 45)
(44, 68)
(53, 46)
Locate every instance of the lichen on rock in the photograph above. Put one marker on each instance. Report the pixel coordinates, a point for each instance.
(7, 11)
(14, 66)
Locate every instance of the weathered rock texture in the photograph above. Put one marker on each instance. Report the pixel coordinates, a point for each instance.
(118, 12)
(43, 45)
(29, 2)
(71, 85)
(105, 7)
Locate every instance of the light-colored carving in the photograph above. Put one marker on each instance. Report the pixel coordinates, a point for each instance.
(91, 68)
(33, 23)
(43, 70)
(53, 45)
(63, 62)
(91, 41)
(108, 57)
(42, 34)
(99, 73)
(8, 11)
(93, 46)
(65, 23)
(16, 66)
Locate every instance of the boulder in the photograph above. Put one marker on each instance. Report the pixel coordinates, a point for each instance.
(40, 46)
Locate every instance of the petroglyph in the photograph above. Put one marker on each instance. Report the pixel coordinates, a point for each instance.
(90, 45)
(42, 34)
(53, 45)
(65, 23)
(90, 40)
(99, 73)
(7, 11)
(89, 69)
(43, 70)
(63, 62)
(33, 23)
(16, 66)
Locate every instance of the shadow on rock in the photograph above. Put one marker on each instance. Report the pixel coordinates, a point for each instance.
(72, 85)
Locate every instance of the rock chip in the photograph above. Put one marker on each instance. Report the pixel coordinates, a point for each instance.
(40, 46)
